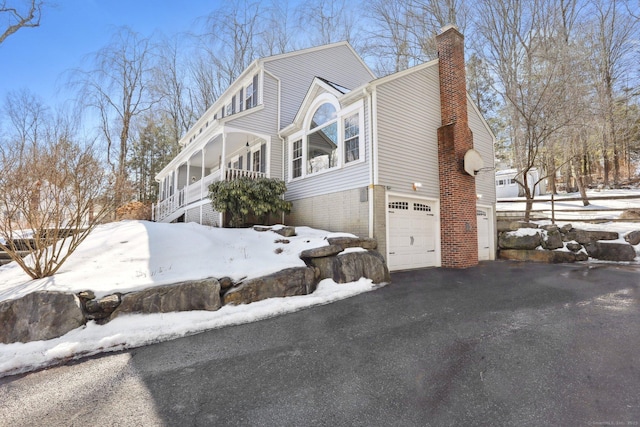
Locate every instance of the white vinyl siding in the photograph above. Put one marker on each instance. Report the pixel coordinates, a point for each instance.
(336, 64)
(263, 121)
(483, 143)
(349, 176)
(408, 116)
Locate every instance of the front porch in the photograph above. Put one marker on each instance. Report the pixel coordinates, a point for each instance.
(184, 184)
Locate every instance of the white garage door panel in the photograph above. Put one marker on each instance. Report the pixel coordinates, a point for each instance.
(412, 234)
(484, 240)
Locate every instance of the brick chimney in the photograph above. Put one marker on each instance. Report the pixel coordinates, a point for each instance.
(458, 225)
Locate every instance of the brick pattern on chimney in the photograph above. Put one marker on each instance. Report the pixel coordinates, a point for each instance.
(458, 221)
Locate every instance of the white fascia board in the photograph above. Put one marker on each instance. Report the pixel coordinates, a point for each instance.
(403, 73)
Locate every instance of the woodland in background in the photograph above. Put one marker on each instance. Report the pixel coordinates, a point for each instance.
(557, 80)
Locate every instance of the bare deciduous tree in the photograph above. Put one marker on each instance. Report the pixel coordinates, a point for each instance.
(118, 88)
(520, 45)
(170, 87)
(612, 30)
(18, 14)
(330, 21)
(52, 192)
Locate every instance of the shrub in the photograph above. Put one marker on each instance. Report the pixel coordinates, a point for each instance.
(242, 197)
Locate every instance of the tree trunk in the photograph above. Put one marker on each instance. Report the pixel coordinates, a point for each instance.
(580, 183)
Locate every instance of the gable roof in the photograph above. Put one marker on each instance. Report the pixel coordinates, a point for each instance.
(318, 83)
(258, 64)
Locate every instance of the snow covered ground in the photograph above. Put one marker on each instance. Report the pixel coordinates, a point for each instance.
(593, 212)
(134, 255)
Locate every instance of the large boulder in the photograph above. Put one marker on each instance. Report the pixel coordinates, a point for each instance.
(286, 231)
(322, 251)
(353, 242)
(574, 246)
(550, 257)
(41, 315)
(285, 283)
(97, 309)
(553, 239)
(505, 225)
(510, 240)
(351, 266)
(185, 296)
(611, 251)
(633, 238)
(589, 236)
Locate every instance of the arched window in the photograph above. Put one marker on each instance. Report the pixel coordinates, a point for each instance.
(329, 139)
(322, 139)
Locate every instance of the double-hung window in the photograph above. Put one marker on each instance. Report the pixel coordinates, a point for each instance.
(297, 159)
(251, 94)
(352, 138)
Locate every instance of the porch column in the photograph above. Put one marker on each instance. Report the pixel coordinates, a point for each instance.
(186, 185)
(202, 175)
(223, 161)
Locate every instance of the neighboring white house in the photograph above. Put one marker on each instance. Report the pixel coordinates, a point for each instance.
(506, 185)
(358, 154)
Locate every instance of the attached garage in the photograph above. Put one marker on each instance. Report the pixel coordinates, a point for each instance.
(412, 226)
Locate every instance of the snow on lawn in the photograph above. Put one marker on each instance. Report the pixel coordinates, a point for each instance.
(134, 255)
(584, 212)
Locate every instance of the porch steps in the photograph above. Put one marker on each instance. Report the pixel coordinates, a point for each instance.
(173, 216)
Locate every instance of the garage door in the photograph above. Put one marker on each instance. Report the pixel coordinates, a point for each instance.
(484, 236)
(412, 233)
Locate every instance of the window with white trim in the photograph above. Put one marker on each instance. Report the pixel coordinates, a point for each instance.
(322, 140)
(251, 94)
(351, 138)
(296, 169)
(255, 161)
(331, 138)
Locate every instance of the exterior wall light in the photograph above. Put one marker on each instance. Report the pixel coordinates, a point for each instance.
(416, 185)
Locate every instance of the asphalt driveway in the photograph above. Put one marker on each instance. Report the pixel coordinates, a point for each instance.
(504, 343)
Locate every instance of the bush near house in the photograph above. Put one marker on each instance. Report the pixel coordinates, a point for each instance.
(244, 197)
(134, 210)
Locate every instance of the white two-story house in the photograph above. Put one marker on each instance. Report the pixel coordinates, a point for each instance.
(358, 154)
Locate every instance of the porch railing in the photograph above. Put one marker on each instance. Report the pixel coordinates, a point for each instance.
(197, 191)
(232, 174)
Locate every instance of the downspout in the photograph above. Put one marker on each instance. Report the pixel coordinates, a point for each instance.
(370, 190)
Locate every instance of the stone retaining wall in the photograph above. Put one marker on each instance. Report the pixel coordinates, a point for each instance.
(549, 243)
(46, 315)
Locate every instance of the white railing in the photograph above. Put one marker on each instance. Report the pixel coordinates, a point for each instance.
(194, 192)
(232, 174)
(197, 191)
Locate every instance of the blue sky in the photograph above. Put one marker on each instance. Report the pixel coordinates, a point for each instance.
(36, 58)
